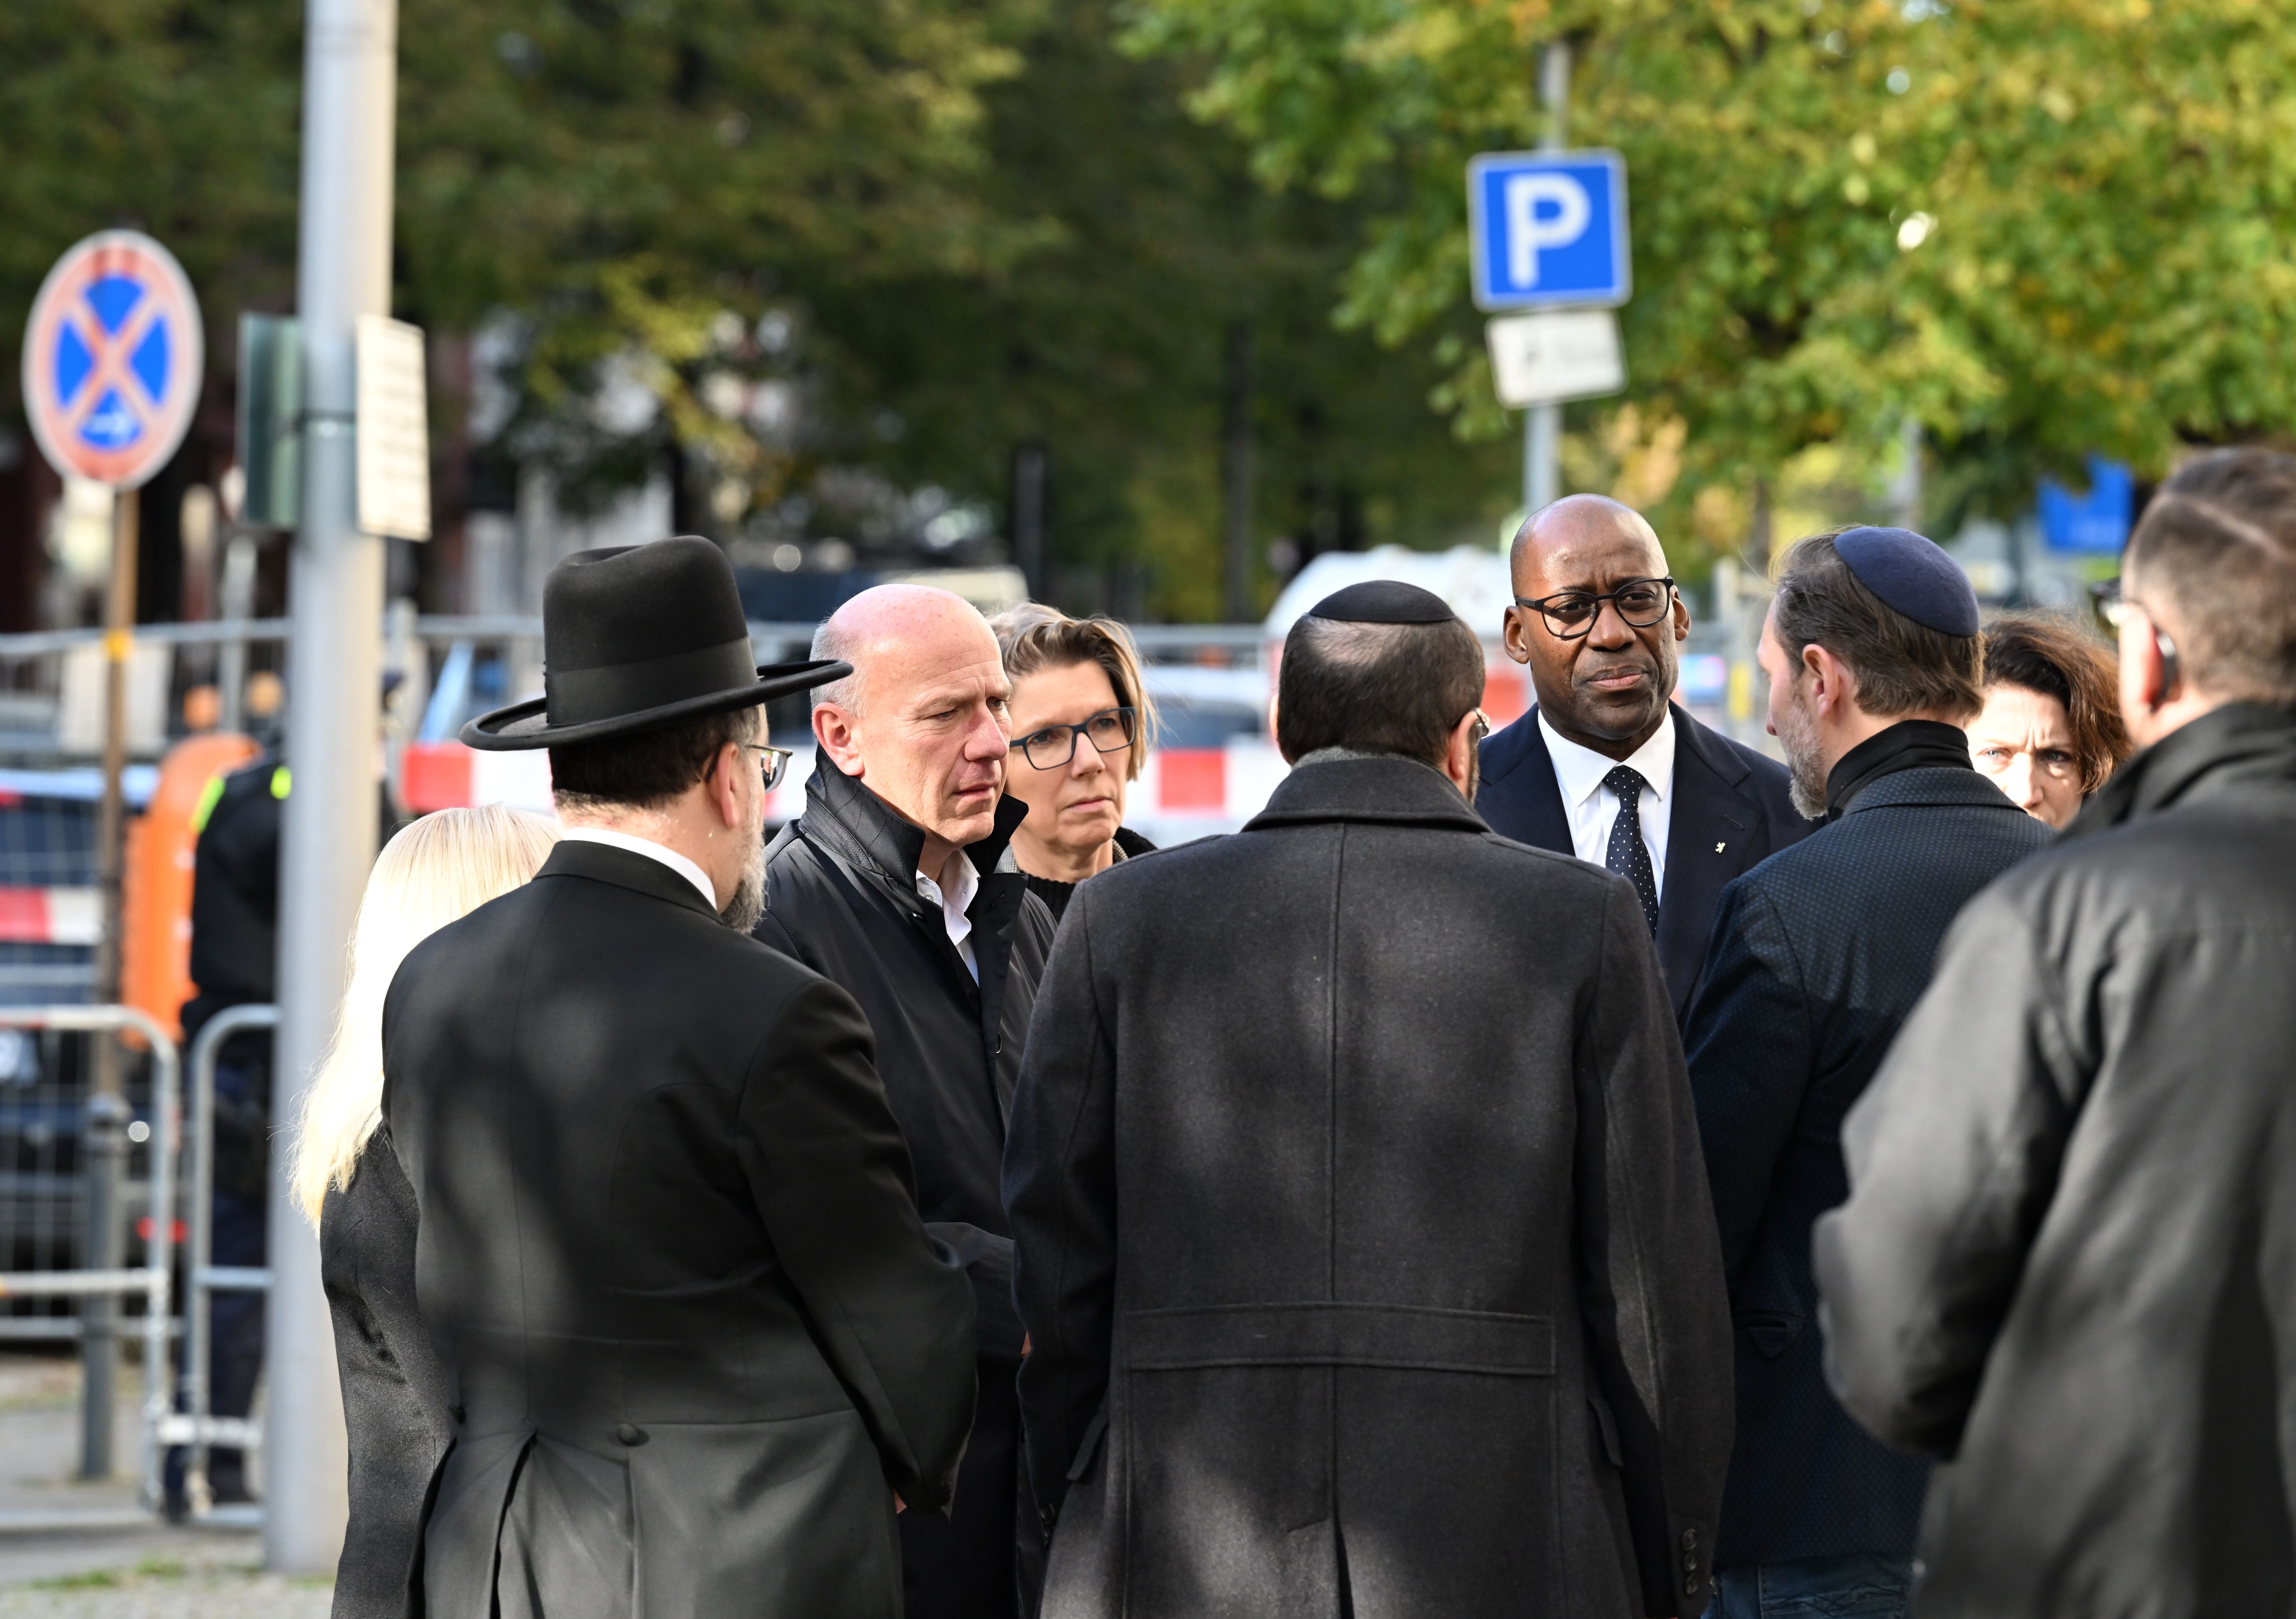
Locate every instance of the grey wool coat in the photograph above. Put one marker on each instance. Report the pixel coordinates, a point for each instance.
(1361, 1231)
(668, 1254)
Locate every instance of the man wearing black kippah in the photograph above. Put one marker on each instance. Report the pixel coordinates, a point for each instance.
(1365, 1257)
(1872, 649)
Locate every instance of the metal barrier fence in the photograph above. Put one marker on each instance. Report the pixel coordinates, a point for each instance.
(103, 1281)
(197, 1426)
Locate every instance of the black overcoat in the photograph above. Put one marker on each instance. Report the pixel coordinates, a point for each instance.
(669, 1253)
(1733, 808)
(2069, 1261)
(1818, 954)
(841, 897)
(395, 1393)
(1362, 1234)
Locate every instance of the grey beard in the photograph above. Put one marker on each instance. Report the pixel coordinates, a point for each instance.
(1804, 762)
(747, 907)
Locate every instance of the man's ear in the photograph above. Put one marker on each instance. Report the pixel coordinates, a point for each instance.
(1834, 688)
(1458, 758)
(723, 784)
(1681, 617)
(832, 730)
(1514, 635)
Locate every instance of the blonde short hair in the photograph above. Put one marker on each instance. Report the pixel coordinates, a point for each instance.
(1033, 637)
(435, 871)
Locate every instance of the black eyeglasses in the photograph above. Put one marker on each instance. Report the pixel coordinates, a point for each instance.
(1571, 613)
(2112, 605)
(1110, 731)
(772, 765)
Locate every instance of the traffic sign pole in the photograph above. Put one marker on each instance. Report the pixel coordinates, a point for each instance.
(1542, 424)
(334, 660)
(105, 1141)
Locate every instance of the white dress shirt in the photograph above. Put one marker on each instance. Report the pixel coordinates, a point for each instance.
(955, 903)
(647, 846)
(1593, 808)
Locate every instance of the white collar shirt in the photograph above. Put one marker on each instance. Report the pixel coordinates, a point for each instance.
(1592, 809)
(653, 851)
(953, 903)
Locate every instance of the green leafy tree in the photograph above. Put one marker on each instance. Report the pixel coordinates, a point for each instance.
(2042, 228)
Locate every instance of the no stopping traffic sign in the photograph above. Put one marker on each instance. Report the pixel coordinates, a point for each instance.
(112, 357)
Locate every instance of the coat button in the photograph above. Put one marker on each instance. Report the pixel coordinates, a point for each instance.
(630, 1434)
(1690, 1540)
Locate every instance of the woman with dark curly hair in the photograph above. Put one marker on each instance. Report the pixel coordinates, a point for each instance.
(2051, 731)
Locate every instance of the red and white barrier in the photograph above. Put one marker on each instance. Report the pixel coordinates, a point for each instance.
(1182, 793)
(50, 915)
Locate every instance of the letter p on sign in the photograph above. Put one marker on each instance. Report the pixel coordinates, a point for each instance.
(1548, 230)
(1544, 211)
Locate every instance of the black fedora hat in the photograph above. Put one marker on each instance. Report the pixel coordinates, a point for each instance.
(635, 637)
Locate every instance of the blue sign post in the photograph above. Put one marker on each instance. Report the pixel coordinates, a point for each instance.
(1549, 229)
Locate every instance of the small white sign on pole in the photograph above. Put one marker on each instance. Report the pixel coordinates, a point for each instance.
(394, 431)
(1557, 355)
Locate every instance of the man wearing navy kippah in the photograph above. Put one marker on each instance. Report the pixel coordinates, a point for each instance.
(1872, 647)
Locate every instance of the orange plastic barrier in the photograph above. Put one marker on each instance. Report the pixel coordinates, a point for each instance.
(155, 963)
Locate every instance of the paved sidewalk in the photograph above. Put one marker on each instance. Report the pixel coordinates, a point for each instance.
(154, 1572)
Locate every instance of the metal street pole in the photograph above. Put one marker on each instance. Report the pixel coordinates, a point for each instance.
(105, 1138)
(334, 661)
(1542, 424)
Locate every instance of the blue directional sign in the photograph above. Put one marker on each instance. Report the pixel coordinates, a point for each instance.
(1548, 228)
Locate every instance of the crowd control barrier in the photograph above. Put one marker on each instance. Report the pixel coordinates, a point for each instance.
(197, 1426)
(101, 1282)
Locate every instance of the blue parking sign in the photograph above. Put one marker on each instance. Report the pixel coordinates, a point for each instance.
(1548, 228)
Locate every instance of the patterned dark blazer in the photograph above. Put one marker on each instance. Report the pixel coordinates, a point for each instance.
(1819, 953)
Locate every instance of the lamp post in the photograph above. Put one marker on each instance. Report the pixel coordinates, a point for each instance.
(334, 658)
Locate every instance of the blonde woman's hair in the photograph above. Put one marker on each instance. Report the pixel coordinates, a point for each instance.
(1033, 637)
(435, 870)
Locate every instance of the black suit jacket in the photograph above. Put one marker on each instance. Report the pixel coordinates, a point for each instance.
(1731, 811)
(669, 1254)
(841, 897)
(1819, 954)
(394, 1394)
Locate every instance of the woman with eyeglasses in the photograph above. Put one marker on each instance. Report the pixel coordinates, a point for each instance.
(2051, 729)
(1082, 725)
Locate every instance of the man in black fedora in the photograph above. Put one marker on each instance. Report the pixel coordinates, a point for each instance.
(670, 1249)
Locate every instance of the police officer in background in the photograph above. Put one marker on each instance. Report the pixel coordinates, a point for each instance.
(235, 938)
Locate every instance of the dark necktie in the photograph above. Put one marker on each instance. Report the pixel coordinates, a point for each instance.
(1629, 855)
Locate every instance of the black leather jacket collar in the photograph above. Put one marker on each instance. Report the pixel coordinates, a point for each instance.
(880, 846)
(2239, 741)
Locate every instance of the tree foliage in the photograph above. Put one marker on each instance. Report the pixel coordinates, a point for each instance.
(962, 224)
(2043, 228)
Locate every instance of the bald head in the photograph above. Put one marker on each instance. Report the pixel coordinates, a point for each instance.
(1601, 681)
(922, 720)
(1561, 537)
(895, 621)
